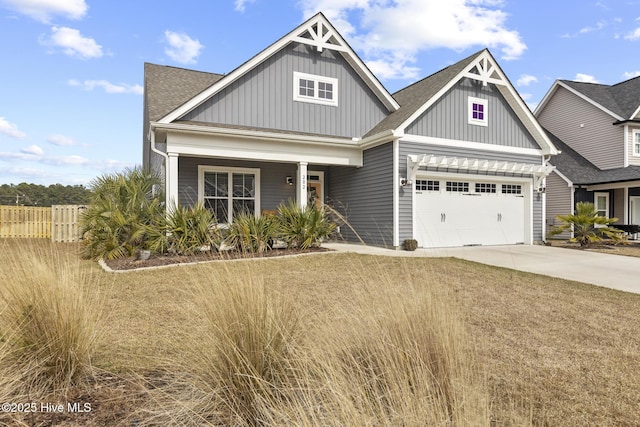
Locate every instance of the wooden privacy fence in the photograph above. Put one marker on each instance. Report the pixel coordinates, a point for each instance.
(60, 223)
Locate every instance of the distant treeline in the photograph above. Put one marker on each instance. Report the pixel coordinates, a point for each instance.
(24, 194)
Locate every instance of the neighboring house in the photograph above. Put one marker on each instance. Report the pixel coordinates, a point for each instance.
(597, 129)
(454, 159)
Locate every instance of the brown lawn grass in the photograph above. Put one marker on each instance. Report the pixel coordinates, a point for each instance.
(551, 352)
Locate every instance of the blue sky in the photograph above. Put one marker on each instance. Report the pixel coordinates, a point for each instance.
(71, 71)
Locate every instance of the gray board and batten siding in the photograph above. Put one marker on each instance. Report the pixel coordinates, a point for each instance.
(412, 148)
(263, 97)
(447, 118)
(365, 196)
(558, 202)
(273, 179)
(585, 128)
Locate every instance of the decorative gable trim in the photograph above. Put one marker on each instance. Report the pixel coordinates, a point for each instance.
(557, 84)
(485, 69)
(316, 32)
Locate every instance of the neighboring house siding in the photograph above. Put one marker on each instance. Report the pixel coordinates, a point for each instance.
(273, 179)
(156, 162)
(633, 159)
(558, 202)
(263, 98)
(585, 128)
(447, 118)
(365, 196)
(405, 202)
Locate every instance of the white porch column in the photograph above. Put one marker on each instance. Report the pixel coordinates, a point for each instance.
(301, 184)
(172, 180)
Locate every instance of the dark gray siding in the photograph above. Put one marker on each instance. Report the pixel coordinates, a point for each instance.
(447, 118)
(365, 196)
(263, 98)
(273, 179)
(405, 202)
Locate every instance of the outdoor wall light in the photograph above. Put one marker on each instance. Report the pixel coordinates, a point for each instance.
(290, 180)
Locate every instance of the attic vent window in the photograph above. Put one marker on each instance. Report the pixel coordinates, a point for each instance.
(315, 89)
(478, 113)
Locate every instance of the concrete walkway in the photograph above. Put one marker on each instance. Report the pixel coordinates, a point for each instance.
(611, 271)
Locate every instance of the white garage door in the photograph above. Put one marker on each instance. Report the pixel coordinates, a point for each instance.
(457, 212)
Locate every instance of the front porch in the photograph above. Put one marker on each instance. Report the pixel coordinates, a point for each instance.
(616, 200)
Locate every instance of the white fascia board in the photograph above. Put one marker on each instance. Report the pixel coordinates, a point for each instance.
(199, 144)
(471, 145)
(563, 177)
(293, 36)
(253, 134)
(547, 96)
(379, 139)
(636, 114)
(613, 185)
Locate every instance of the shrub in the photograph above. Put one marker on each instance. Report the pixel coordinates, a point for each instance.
(303, 227)
(587, 226)
(121, 212)
(186, 230)
(410, 245)
(48, 325)
(249, 233)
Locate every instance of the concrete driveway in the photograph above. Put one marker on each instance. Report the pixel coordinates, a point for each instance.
(611, 271)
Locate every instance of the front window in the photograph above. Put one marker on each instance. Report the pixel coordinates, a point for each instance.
(229, 191)
(315, 89)
(478, 111)
(636, 142)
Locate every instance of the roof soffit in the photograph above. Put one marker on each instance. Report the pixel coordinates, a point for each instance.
(317, 32)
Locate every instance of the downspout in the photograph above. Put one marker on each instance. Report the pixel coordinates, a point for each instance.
(152, 140)
(545, 162)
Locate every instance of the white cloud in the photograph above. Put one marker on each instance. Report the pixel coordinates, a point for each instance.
(392, 33)
(60, 140)
(585, 78)
(65, 160)
(107, 86)
(11, 129)
(44, 10)
(631, 74)
(239, 5)
(599, 26)
(182, 48)
(526, 80)
(634, 35)
(73, 43)
(33, 150)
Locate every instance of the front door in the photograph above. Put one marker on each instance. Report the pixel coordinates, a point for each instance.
(315, 184)
(634, 203)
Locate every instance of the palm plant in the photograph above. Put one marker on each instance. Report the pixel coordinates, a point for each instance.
(121, 211)
(249, 233)
(186, 230)
(588, 227)
(303, 227)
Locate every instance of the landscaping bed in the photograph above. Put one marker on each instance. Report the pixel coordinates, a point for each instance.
(628, 248)
(158, 260)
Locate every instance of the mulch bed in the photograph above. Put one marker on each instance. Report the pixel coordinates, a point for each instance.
(157, 260)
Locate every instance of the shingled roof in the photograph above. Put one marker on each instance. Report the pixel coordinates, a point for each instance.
(412, 97)
(581, 171)
(166, 88)
(622, 98)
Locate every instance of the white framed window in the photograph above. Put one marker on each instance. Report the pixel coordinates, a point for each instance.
(427, 185)
(601, 202)
(636, 142)
(457, 187)
(511, 189)
(316, 89)
(483, 187)
(227, 191)
(477, 111)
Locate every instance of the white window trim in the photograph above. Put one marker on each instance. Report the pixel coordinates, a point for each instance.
(230, 170)
(595, 202)
(316, 79)
(473, 100)
(635, 134)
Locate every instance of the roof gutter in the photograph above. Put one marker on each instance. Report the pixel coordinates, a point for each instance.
(621, 122)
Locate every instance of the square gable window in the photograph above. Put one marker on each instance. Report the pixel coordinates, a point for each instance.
(315, 89)
(478, 112)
